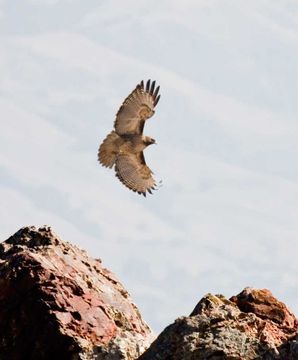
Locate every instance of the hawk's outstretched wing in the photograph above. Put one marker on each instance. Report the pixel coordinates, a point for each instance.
(132, 171)
(136, 109)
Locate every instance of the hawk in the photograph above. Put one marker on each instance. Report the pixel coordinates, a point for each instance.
(124, 146)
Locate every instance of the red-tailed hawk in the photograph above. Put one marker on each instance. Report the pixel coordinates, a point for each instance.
(124, 146)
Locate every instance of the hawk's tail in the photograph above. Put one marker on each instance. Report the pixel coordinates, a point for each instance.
(108, 150)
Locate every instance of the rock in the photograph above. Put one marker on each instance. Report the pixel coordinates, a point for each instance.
(251, 325)
(58, 303)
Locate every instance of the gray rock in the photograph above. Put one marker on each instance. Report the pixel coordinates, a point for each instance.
(251, 325)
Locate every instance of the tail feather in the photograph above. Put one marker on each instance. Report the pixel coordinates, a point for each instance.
(108, 150)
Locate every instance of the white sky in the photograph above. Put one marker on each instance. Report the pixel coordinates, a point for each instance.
(226, 128)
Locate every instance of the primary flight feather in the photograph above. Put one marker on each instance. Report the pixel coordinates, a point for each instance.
(124, 146)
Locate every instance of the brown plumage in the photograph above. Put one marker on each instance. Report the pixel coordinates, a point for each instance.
(124, 146)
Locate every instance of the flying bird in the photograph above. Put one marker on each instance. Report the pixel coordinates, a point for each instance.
(124, 146)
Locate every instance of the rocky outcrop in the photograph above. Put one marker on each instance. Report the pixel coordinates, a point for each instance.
(251, 325)
(58, 303)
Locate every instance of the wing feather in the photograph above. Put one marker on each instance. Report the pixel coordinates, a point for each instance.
(152, 87)
(108, 150)
(136, 109)
(132, 171)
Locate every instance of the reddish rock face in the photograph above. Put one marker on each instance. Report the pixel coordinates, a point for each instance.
(266, 306)
(58, 303)
(251, 325)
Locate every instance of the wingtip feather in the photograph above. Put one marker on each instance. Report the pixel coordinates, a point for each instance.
(156, 100)
(152, 87)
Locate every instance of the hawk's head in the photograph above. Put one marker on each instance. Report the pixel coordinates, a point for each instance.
(148, 140)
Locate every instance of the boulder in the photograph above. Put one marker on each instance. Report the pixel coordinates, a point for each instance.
(56, 302)
(251, 325)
